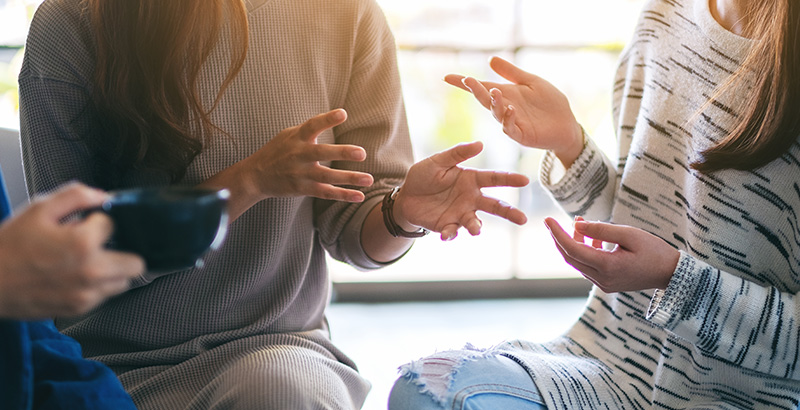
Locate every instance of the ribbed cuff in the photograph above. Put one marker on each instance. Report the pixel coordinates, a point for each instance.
(667, 304)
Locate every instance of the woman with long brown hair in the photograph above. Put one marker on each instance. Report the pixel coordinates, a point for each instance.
(130, 93)
(695, 256)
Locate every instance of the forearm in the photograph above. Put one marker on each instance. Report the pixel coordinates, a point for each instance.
(730, 317)
(587, 188)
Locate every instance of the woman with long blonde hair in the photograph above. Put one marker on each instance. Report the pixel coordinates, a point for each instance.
(209, 93)
(690, 234)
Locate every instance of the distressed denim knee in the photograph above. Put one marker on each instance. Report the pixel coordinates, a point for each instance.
(468, 379)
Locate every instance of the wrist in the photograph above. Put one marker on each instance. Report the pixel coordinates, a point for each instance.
(569, 154)
(394, 217)
(400, 214)
(244, 183)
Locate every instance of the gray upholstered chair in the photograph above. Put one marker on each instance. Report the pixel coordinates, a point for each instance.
(11, 165)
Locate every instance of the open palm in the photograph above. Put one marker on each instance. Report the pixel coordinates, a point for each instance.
(441, 196)
(532, 111)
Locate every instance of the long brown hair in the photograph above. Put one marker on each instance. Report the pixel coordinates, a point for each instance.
(149, 56)
(769, 121)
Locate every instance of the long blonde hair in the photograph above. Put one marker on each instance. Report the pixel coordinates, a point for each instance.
(149, 54)
(769, 120)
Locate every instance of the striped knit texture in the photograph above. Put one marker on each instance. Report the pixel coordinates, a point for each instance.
(248, 329)
(724, 334)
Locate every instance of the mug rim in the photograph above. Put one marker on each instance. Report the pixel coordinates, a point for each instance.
(151, 195)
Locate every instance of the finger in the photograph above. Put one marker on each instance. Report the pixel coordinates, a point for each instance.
(457, 154)
(113, 287)
(69, 199)
(96, 229)
(577, 235)
(597, 243)
(510, 126)
(502, 209)
(336, 152)
(333, 193)
(456, 80)
(334, 176)
(511, 72)
(579, 251)
(121, 265)
(314, 126)
(449, 232)
(480, 92)
(472, 223)
(498, 104)
(587, 271)
(487, 179)
(605, 232)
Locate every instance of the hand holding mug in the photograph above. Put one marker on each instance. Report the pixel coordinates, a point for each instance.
(50, 268)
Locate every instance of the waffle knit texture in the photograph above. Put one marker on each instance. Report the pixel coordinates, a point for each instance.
(247, 330)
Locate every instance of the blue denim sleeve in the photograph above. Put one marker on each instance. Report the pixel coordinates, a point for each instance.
(43, 369)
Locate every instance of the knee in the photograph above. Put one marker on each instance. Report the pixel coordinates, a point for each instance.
(408, 394)
(426, 383)
(262, 382)
(464, 379)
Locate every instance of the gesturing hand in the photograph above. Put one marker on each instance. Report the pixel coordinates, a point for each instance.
(289, 164)
(440, 196)
(48, 268)
(639, 260)
(532, 111)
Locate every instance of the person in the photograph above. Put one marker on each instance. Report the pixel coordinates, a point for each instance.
(295, 108)
(689, 234)
(50, 268)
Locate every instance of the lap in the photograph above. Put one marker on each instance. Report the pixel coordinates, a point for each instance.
(461, 381)
(289, 377)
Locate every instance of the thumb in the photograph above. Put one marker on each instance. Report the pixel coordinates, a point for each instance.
(605, 232)
(511, 72)
(457, 154)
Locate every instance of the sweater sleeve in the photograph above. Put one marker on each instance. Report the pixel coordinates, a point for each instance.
(587, 188)
(377, 122)
(56, 116)
(736, 320)
(54, 101)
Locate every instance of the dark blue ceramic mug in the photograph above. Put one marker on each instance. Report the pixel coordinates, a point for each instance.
(170, 227)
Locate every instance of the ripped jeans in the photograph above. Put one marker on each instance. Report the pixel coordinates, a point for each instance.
(467, 379)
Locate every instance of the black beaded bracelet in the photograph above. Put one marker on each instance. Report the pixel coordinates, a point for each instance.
(388, 217)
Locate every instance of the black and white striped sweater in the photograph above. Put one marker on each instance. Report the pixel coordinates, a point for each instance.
(724, 334)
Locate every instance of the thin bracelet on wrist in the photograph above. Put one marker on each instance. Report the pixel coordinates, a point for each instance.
(387, 208)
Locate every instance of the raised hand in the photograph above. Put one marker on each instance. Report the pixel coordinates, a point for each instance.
(532, 111)
(638, 260)
(289, 164)
(51, 268)
(440, 196)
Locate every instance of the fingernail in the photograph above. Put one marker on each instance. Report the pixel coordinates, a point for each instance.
(358, 155)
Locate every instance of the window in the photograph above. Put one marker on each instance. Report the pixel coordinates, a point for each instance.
(574, 44)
